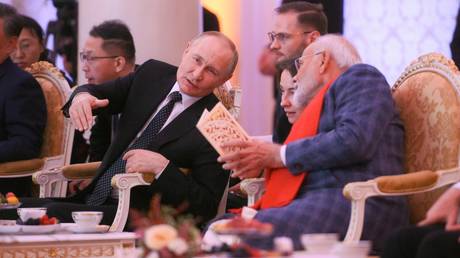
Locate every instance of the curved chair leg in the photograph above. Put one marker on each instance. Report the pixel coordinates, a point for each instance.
(124, 183)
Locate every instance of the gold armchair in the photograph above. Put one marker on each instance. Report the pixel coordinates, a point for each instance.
(428, 97)
(229, 96)
(58, 135)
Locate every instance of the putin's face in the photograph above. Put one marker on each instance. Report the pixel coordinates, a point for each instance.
(205, 65)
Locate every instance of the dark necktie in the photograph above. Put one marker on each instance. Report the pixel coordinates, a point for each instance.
(103, 185)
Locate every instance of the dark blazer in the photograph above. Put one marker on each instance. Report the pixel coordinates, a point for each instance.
(137, 96)
(22, 122)
(101, 137)
(22, 114)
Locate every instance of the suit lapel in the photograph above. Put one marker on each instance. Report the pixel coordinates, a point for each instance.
(184, 122)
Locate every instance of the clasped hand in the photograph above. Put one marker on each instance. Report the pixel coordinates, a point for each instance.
(144, 161)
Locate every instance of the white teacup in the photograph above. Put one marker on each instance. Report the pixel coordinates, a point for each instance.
(31, 213)
(321, 243)
(87, 218)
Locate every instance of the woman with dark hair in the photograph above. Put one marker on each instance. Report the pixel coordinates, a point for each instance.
(30, 48)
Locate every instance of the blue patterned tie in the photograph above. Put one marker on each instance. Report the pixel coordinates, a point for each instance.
(103, 186)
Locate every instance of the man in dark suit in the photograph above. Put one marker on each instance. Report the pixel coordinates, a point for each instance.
(108, 53)
(160, 106)
(22, 106)
(357, 136)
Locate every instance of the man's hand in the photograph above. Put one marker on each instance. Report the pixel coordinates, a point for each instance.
(253, 157)
(445, 210)
(80, 110)
(144, 161)
(78, 185)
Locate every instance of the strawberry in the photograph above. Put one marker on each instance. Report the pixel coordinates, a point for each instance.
(10, 194)
(44, 220)
(52, 221)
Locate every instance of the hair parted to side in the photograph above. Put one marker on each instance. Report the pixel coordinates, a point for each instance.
(341, 50)
(33, 26)
(227, 40)
(12, 24)
(310, 16)
(117, 39)
(288, 65)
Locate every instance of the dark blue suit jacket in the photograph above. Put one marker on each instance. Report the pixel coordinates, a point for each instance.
(22, 114)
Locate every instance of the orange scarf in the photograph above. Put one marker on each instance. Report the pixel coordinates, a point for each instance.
(281, 185)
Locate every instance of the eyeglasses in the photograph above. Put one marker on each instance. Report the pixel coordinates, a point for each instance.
(87, 57)
(283, 36)
(298, 62)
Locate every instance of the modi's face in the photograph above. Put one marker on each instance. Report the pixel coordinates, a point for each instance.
(205, 65)
(307, 79)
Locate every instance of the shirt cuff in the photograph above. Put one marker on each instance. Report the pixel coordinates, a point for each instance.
(283, 154)
(161, 172)
(457, 185)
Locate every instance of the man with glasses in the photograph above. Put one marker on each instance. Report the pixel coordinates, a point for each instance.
(297, 24)
(349, 131)
(108, 54)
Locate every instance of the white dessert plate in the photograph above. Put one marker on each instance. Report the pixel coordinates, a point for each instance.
(8, 229)
(39, 229)
(5, 206)
(72, 227)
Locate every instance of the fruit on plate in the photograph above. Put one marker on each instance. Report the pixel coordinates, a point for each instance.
(44, 220)
(9, 199)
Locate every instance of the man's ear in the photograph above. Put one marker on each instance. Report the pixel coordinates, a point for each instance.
(326, 59)
(120, 64)
(312, 36)
(187, 48)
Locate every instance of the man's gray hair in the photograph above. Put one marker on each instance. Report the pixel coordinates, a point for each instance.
(341, 50)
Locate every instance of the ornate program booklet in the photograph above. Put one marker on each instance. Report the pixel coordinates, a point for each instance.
(218, 126)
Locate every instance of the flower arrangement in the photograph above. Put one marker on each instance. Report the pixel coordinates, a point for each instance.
(166, 233)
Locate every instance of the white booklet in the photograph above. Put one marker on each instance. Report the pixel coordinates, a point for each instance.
(218, 126)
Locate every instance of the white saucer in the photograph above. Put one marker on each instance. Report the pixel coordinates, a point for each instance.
(39, 229)
(8, 229)
(91, 229)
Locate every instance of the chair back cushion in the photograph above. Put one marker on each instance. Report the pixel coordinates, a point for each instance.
(427, 96)
(58, 135)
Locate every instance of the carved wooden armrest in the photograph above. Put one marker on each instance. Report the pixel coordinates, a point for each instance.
(81, 171)
(405, 184)
(21, 167)
(254, 188)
